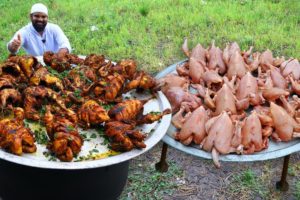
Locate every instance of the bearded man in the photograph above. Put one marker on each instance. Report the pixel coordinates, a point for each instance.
(39, 35)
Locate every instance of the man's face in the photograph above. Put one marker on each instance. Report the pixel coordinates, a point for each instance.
(39, 21)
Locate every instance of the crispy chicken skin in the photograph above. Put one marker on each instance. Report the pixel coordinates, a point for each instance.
(126, 110)
(65, 140)
(14, 137)
(141, 81)
(123, 137)
(91, 113)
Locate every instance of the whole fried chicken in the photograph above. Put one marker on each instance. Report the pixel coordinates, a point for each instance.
(91, 113)
(42, 76)
(141, 81)
(127, 68)
(65, 140)
(14, 137)
(123, 137)
(127, 110)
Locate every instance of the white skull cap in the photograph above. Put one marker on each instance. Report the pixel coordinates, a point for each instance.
(39, 7)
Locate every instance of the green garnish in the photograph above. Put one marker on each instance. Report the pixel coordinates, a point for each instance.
(41, 137)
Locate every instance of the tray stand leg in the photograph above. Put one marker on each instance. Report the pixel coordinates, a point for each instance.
(162, 165)
(283, 185)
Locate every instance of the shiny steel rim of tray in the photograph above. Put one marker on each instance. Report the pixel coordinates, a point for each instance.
(275, 150)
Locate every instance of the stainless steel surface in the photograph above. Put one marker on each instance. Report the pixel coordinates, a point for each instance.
(37, 159)
(275, 150)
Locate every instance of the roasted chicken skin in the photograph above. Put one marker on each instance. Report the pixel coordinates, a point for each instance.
(94, 61)
(141, 81)
(42, 76)
(109, 88)
(14, 137)
(126, 67)
(36, 96)
(65, 140)
(91, 113)
(126, 110)
(10, 96)
(123, 137)
(27, 64)
(151, 117)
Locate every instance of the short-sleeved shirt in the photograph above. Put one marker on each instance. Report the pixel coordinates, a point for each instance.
(53, 39)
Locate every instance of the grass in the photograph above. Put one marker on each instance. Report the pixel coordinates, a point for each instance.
(297, 193)
(247, 184)
(152, 31)
(294, 170)
(144, 182)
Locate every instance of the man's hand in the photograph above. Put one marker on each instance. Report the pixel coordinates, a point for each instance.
(15, 44)
(62, 52)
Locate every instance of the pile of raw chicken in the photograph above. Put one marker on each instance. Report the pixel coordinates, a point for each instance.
(241, 99)
(63, 97)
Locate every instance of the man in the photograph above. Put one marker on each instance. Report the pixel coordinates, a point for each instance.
(39, 35)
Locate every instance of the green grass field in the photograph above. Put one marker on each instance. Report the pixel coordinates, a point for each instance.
(152, 31)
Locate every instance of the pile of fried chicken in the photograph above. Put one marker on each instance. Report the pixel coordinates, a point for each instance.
(68, 93)
(233, 101)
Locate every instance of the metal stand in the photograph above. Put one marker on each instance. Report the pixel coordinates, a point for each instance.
(162, 165)
(283, 185)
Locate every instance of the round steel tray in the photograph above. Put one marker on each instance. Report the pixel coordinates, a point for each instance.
(155, 132)
(275, 150)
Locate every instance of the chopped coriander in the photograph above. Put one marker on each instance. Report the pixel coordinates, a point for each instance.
(155, 113)
(70, 128)
(77, 94)
(41, 137)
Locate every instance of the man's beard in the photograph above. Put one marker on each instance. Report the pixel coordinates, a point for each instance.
(39, 27)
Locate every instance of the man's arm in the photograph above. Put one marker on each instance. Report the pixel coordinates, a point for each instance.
(14, 45)
(62, 40)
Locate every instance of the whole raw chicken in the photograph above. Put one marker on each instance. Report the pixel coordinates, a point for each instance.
(248, 89)
(252, 138)
(178, 96)
(220, 133)
(285, 126)
(193, 128)
(215, 59)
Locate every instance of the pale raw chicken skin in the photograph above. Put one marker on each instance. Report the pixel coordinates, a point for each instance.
(284, 124)
(194, 126)
(224, 100)
(252, 139)
(236, 66)
(215, 59)
(196, 70)
(277, 79)
(177, 96)
(248, 88)
(172, 80)
(199, 54)
(291, 67)
(220, 134)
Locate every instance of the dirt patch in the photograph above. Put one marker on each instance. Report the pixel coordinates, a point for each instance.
(197, 178)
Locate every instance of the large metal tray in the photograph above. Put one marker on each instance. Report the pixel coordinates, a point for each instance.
(103, 156)
(275, 150)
